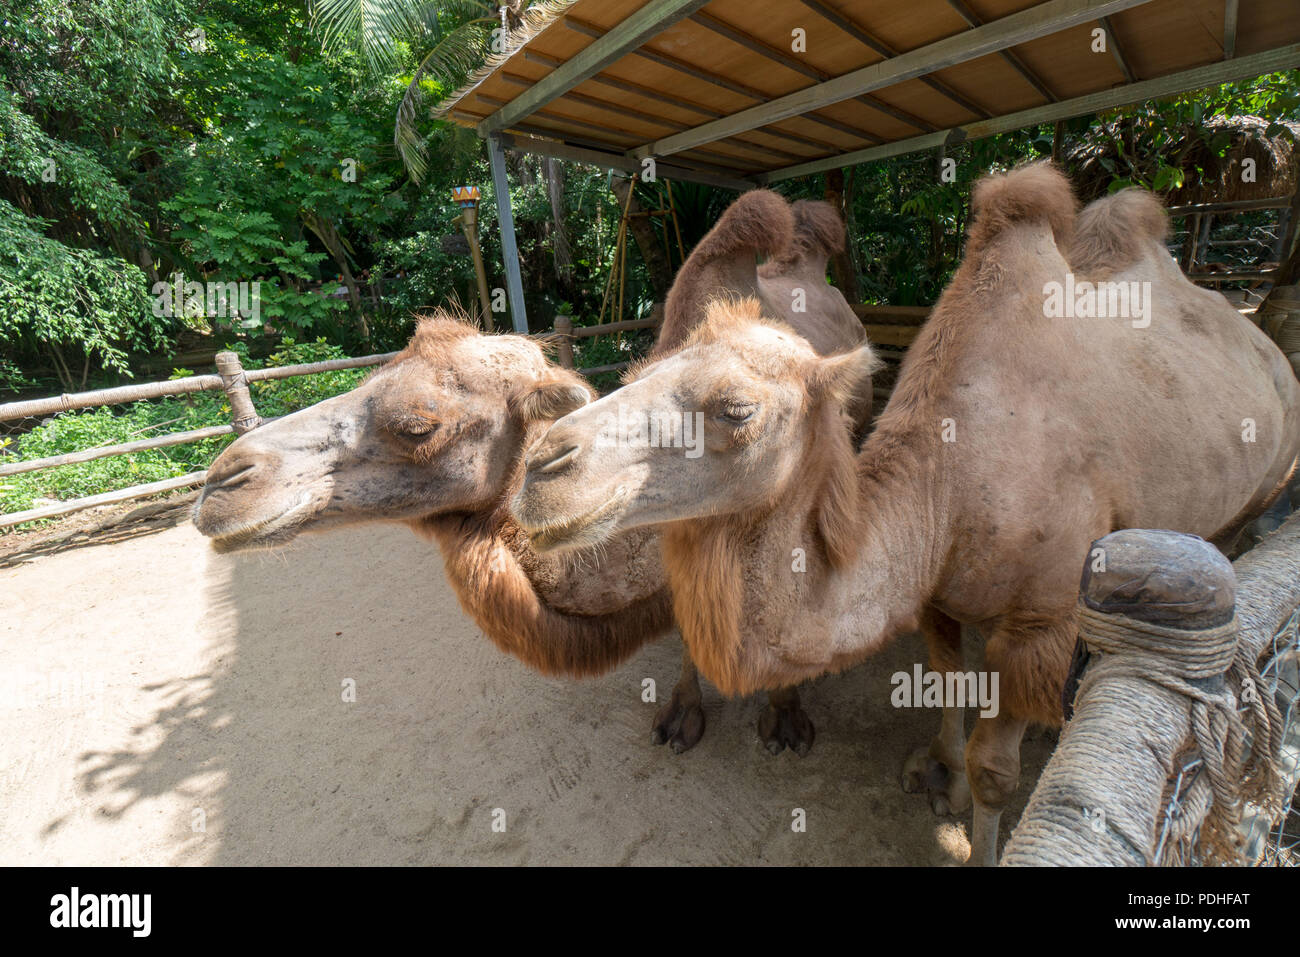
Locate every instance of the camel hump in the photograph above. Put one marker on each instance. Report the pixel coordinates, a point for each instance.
(818, 229)
(759, 222)
(1116, 231)
(725, 261)
(1037, 193)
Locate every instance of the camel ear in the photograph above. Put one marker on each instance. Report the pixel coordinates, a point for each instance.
(552, 398)
(845, 376)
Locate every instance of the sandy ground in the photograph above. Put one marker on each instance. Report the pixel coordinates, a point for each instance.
(161, 704)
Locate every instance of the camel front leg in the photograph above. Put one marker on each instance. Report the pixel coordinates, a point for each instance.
(784, 724)
(939, 768)
(680, 722)
(993, 768)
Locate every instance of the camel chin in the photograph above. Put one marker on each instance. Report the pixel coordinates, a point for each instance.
(265, 533)
(589, 530)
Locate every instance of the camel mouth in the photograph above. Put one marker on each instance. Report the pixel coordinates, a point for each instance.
(279, 529)
(583, 531)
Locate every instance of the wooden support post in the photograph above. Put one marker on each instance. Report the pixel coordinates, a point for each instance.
(243, 416)
(564, 340)
(1193, 237)
(509, 250)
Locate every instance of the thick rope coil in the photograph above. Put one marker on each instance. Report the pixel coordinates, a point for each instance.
(1185, 663)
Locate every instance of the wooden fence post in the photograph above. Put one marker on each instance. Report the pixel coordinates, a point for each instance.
(243, 415)
(564, 340)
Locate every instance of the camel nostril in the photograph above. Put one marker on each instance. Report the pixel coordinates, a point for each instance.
(231, 478)
(552, 461)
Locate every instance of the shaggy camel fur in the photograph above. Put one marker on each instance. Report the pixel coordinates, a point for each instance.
(799, 239)
(1011, 442)
(434, 439)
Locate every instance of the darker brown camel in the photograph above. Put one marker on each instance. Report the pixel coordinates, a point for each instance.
(434, 439)
(1014, 438)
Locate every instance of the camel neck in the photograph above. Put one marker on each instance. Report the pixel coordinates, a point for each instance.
(770, 600)
(558, 616)
(904, 540)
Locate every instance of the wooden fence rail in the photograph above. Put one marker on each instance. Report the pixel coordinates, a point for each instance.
(565, 333)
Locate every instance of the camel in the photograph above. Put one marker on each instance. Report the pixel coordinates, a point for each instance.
(435, 438)
(799, 238)
(1011, 442)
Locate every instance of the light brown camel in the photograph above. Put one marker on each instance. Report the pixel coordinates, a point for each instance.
(434, 439)
(1011, 442)
(798, 238)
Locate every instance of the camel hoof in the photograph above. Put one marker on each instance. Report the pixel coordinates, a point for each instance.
(679, 725)
(948, 790)
(786, 727)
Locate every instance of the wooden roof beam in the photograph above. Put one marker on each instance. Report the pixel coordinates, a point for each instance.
(1032, 78)
(1223, 71)
(598, 104)
(1117, 50)
(727, 165)
(804, 68)
(862, 36)
(565, 151)
(627, 86)
(640, 26)
(699, 73)
(1038, 21)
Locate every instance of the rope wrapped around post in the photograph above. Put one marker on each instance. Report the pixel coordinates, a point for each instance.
(1157, 615)
(243, 415)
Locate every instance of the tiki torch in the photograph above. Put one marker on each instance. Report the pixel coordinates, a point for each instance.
(466, 198)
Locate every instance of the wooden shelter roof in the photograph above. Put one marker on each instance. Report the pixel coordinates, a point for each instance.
(715, 90)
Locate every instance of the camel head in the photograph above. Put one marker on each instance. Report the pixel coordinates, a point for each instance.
(725, 425)
(436, 430)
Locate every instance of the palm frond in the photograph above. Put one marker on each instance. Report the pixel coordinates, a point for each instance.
(453, 56)
(372, 27)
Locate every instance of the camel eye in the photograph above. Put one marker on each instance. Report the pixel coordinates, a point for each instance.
(414, 428)
(737, 414)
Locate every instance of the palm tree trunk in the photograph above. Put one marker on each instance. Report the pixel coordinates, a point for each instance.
(561, 250)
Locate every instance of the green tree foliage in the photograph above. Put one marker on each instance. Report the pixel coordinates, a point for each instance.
(74, 305)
